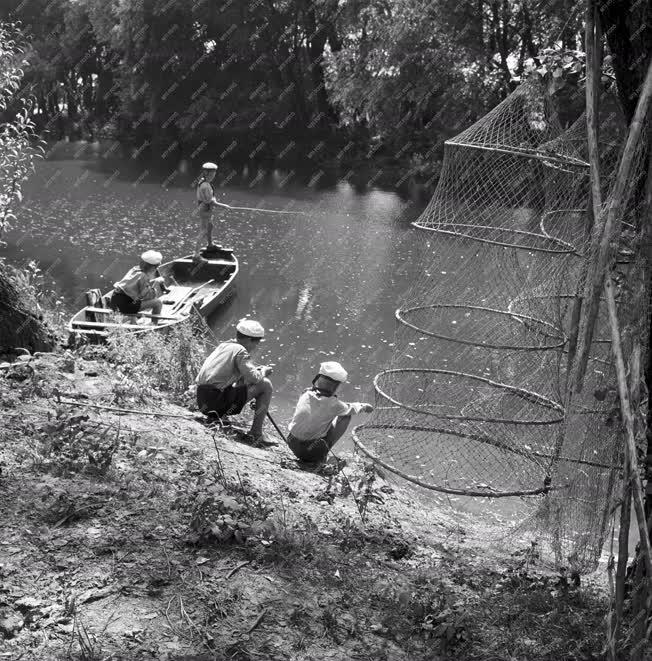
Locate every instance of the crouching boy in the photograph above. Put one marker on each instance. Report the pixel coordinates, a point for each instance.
(320, 418)
(228, 379)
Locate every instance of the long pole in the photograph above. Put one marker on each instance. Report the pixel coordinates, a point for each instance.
(607, 230)
(628, 421)
(280, 433)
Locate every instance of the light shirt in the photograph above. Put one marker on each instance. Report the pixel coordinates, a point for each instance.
(136, 284)
(205, 197)
(230, 362)
(315, 413)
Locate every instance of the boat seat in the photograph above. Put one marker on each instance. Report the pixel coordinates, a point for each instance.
(211, 262)
(89, 308)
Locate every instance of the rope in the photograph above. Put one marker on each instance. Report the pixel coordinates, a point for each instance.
(187, 416)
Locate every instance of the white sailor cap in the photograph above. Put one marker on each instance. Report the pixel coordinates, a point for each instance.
(250, 328)
(152, 257)
(334, 371)
(209, 166)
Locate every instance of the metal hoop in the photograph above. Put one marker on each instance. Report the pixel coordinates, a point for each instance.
(520, 318)
(528, 395)
(458, 229)
(433, 487)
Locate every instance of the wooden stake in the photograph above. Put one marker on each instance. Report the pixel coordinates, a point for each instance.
(628, 421)
(623, 550)
(592, 104)
(607, 231)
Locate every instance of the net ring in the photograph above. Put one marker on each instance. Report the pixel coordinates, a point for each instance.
(512, 238)
(545, 329)
(555, 410)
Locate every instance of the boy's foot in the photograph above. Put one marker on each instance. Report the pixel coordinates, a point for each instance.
(332, 466)
(258, 441)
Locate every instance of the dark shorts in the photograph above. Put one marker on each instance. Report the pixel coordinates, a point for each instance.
(123, 303)
(216, 402)
(312, 451)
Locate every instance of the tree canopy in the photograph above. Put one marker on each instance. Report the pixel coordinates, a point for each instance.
(399, 71)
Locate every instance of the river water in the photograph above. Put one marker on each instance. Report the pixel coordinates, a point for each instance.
(324, 281)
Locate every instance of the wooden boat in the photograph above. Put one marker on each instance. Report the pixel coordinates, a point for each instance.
(203, 286)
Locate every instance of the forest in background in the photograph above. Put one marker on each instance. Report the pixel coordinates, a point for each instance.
(340, 82)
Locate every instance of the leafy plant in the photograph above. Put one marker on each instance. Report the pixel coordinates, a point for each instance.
(168, 362)
(18, 143)
(70, 443)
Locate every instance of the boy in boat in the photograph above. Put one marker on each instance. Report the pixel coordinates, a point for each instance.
(228, 379)
(206, 202)
(140, 289)
(320, 418)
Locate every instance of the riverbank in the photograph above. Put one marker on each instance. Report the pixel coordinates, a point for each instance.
(129, 536)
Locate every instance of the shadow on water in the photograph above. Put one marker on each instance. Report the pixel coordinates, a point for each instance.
(298, 175)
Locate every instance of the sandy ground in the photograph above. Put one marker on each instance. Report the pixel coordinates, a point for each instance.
(129, 536)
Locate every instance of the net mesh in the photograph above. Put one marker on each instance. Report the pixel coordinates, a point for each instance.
(475, 400)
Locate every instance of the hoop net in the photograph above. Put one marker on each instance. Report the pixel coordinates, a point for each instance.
(475, 402)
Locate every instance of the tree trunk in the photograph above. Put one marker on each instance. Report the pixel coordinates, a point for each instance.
(627, 24)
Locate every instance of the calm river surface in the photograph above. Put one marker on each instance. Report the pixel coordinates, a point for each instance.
(324, 282)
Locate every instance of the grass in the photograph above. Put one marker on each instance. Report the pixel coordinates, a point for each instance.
(165, 362)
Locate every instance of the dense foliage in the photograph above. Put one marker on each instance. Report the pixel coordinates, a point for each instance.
(407, 73)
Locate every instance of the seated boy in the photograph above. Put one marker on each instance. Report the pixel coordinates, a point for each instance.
(140, 288)
(320, 418)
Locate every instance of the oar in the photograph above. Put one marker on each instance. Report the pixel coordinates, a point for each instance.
(189, 294)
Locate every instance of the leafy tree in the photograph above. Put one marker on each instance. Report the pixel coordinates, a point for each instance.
(19, 326)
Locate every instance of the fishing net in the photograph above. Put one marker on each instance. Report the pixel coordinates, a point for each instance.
(474, 402)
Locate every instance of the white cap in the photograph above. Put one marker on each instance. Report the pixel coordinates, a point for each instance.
(334, 371)
(250, 328)
(209, 166)
(152, 257)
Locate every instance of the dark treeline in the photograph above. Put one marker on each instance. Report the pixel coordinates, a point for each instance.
(273, 80)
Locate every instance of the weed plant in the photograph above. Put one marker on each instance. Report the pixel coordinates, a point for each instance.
(166, 361)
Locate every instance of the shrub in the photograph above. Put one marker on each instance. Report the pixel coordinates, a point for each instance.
(168, 361)
(70, 443)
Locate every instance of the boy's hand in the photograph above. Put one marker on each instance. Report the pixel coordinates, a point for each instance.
(267, 370)
(367, 408)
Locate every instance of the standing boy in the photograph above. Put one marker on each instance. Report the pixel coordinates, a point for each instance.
(206, 202)
(320, 418)
(228, 379)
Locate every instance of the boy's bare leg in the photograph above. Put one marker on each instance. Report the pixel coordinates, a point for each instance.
(209, 233)
(201, 235)
(153, 304)
(262, 393)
